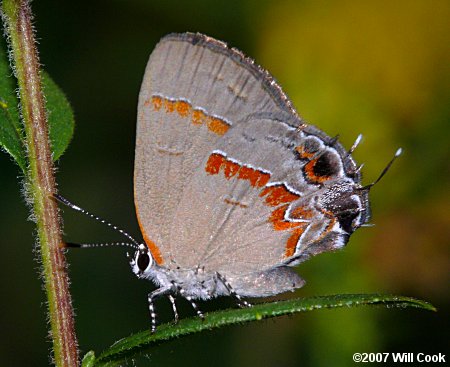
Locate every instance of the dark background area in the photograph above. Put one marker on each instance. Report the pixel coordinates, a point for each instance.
(379, 68)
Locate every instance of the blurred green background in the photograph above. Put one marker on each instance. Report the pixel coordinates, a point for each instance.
(380, 68)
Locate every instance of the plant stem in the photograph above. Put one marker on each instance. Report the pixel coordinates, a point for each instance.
(40, 182)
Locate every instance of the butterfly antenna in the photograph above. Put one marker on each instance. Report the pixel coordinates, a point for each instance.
(396, 155)
(89, 245)
(72, 206)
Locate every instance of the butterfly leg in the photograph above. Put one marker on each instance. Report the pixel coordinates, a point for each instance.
(240, 302)
(151, 307)
(191, 301)
(174, 308)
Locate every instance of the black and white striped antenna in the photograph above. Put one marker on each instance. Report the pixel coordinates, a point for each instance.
(134, 244)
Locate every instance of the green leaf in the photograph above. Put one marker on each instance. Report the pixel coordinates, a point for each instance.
(140, 342)
(88, 359)
(60, 115)
(11, 136)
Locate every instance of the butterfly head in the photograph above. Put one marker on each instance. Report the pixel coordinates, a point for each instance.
(141, 262)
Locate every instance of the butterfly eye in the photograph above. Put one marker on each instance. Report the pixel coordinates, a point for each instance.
(143, 261)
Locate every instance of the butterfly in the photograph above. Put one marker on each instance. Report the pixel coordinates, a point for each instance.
(232, 188)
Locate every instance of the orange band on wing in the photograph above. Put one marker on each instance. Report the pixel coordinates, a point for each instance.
(278, 196)
(217, 125)
(291, 243)
(214, 163)
(184, 109)
(218, 162)
(278, 219)
(256, 177)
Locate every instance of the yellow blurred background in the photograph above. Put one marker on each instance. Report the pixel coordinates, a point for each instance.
(380, 68)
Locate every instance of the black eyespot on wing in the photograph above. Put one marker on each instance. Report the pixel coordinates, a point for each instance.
(326, 165)
(143, 261)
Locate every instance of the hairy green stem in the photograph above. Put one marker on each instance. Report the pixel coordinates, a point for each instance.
(40, 182)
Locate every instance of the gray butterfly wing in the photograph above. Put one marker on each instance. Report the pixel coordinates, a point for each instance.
(256, 202)
(195, 90)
